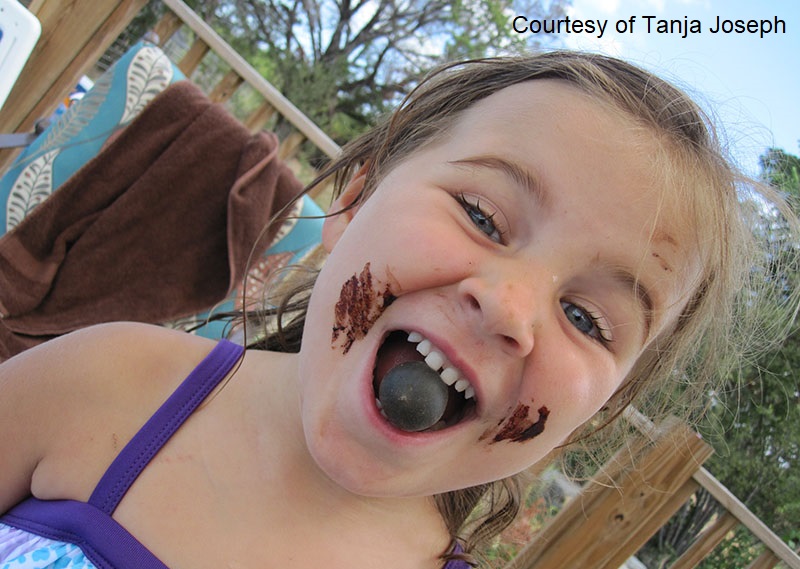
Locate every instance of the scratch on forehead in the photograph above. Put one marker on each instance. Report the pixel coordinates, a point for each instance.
(662, 238)
(360, 304)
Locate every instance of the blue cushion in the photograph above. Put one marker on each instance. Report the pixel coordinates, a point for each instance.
(296, 241)
(80, 132)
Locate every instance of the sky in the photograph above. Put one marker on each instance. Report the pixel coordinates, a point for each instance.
(751, 83)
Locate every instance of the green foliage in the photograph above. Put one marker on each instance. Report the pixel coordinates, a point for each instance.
(544, 499)
(344, 63)
(480, 28)
(738, 551)
(753, 422)
(781, 170)
(757, 453)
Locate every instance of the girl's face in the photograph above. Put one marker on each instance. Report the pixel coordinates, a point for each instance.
(535, 252)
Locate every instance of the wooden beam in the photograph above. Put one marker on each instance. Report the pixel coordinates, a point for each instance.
(166, 27)
(767, 560)
(193, 57)
(260, 117)
(226, 87)
(706, 542)
(748, 518)
(285, 107)
(646, 530)
(727, 500)
(596, 526)
(290, 145)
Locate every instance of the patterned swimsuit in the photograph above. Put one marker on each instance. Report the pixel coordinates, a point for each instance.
(68, 534)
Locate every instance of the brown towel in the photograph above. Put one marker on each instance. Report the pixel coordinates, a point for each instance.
(158, 225)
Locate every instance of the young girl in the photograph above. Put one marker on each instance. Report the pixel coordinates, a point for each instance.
(555, 236)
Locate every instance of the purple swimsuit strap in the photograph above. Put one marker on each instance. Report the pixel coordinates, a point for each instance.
(135, 456)
(457, 563)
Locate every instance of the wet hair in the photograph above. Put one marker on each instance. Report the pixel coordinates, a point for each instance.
(719, 205)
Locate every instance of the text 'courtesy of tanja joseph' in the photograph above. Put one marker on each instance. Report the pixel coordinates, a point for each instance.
(682, 27)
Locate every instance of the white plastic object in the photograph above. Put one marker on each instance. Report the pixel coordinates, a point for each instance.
(19, 32)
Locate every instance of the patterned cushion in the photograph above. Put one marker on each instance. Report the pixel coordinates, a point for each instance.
(295, 244)
(80, 132)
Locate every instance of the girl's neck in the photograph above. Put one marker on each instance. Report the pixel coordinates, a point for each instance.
(315, 501)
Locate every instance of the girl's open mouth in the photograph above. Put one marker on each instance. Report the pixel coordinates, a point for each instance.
(401, 347)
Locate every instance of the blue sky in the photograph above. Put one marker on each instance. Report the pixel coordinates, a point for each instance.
(751, 83)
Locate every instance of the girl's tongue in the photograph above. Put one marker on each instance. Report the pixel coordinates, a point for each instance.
(394, 351)
(412, 396)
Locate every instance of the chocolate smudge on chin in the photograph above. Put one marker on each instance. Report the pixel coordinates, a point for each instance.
(519, 428)
(359, 306)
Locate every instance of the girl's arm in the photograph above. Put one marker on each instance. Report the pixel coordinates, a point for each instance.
(69, 405)
(21, 436)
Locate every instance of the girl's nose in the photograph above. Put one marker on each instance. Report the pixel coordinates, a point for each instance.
(503, 308)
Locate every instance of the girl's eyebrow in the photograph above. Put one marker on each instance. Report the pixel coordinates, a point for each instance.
(638, 290)
(516, 172)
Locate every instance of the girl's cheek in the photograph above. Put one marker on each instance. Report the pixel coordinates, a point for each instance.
(362, 300)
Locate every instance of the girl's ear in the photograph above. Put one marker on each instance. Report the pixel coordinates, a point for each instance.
(343, 210)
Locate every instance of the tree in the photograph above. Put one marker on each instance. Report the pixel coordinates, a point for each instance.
(781, 170)
(343, 62)
(753, 423)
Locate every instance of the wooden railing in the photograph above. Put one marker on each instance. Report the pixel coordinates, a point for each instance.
(75, 34)
(633, 496)
(614, 515)
(241, 72)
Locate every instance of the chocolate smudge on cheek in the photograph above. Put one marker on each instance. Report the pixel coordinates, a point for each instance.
(519, 427)
(359, 306)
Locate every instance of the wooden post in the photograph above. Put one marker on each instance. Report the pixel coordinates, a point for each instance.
(226, 86)
(166, 27)
(193, 57)
(604, 523)
(706, 542)
(290, 145)
(260, 117)
(767, 560)
(642, 533)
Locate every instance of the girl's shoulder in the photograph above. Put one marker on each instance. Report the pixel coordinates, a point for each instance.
(120, 360)
(78, 399)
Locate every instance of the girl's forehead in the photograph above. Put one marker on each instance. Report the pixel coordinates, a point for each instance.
(547, 96)
(517, 119)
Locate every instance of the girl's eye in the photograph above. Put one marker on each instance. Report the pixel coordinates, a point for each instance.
(586, 322)
(482, 220)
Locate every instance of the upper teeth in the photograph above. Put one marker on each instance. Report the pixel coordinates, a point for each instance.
(437, 361)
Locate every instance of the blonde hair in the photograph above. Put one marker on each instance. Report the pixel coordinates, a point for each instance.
(715, 330)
